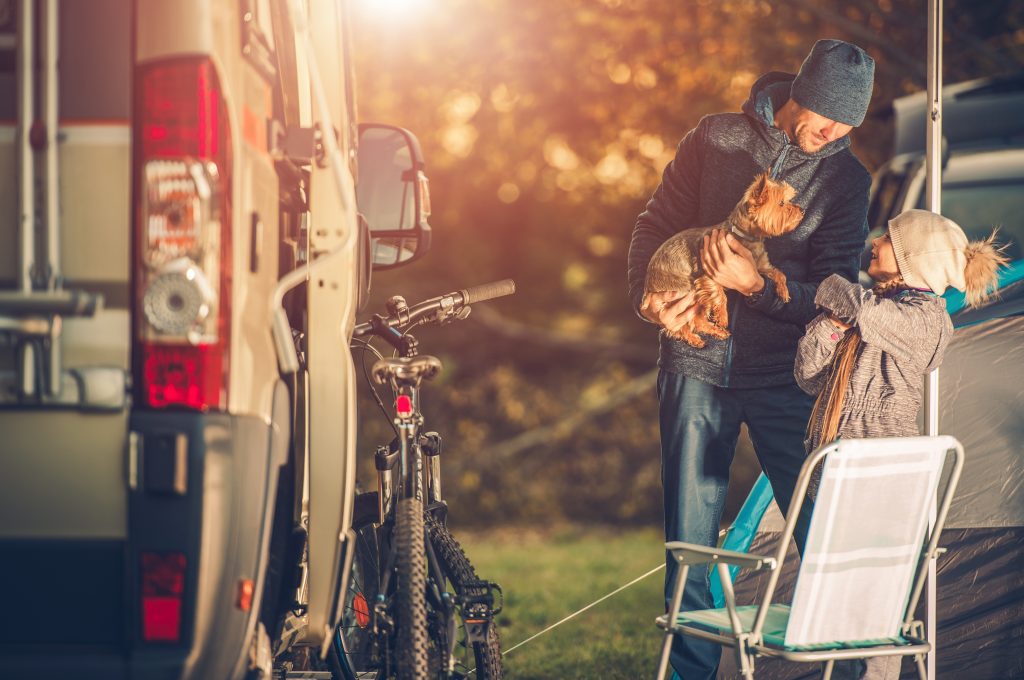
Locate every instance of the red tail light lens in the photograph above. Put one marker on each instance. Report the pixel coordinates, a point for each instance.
(178, 375)
(182, 240)
(163, 586)
(182, 104)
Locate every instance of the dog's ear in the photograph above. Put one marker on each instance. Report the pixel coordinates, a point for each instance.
(758, 190)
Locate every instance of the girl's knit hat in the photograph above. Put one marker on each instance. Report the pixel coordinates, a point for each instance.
(932, 252)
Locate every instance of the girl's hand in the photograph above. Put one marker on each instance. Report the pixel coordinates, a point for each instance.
(838, 324)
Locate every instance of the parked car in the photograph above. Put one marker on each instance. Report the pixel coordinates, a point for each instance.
(983, 167)
(177, 479)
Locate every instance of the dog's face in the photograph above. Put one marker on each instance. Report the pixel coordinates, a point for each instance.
(770, 207)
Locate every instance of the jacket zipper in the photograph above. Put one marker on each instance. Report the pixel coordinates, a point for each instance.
(733, 307)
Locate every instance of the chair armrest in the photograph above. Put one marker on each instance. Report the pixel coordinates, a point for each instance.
(691, 553)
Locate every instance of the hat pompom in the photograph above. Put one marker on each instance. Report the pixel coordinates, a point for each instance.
(981, 274)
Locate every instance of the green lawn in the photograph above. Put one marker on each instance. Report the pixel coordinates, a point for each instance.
(546, 576)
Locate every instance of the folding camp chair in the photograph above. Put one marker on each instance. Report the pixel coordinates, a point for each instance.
(856, 591)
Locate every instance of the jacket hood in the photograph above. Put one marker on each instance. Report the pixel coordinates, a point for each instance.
(767, 95)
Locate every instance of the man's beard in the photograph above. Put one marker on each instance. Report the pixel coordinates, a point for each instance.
(808, 141)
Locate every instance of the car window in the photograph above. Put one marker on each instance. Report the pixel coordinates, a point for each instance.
(884, 198)
(977, 207)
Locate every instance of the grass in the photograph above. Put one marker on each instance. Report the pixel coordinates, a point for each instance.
(546, 575)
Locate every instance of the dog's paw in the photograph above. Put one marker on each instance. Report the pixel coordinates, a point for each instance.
(686, 334)
(779, 279)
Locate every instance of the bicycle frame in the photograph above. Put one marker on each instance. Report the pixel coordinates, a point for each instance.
(417, 457)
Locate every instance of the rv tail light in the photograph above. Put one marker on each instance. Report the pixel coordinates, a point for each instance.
(182, 236)
(163, 587)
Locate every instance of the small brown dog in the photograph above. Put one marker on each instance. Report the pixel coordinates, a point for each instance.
(766, 210)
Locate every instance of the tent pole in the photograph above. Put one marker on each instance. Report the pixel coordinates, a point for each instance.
(933, 199)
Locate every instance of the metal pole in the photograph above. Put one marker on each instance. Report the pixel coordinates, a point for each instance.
(51, 212)
(26, 168)
(50, 119)
(933, 199)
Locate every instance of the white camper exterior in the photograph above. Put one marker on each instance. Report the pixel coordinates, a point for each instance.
(169, 468)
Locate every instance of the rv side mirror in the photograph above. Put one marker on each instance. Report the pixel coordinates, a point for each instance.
(393, 194)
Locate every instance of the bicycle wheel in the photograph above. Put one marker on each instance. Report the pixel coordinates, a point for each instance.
(485, 657)
(410, 591)
(353, 650)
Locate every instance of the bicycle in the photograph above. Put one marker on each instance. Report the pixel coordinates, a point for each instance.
(415, 607)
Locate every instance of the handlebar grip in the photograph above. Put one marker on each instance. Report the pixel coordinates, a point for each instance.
(488, 291)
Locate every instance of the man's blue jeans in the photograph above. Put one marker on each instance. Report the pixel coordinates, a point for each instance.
(700, 424)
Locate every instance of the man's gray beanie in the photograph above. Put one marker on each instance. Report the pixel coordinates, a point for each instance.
(835, 81)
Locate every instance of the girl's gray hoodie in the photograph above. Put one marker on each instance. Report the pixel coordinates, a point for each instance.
(714, 165)
(903, 338)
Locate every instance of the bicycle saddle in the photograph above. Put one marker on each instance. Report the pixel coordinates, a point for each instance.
(406, 371)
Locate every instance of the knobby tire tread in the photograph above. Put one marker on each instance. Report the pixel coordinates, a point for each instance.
(460, 571)
(411, 611)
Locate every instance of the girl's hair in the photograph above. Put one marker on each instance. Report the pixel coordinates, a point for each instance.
(981, 274)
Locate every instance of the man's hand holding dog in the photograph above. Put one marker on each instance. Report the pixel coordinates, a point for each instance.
(670, 310)
(730, 264)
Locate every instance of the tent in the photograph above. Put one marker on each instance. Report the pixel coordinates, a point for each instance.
(980, 602)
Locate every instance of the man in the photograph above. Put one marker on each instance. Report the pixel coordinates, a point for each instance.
(796, 127)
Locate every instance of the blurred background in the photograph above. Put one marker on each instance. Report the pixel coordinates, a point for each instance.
(546, 126)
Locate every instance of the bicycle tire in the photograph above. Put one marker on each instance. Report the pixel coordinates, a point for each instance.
(459, 571)
(410, 591)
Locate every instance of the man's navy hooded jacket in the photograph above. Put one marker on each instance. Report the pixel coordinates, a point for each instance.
(714, 165)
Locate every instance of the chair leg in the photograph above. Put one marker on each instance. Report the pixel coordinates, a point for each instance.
(670, 619)
(666, 649)
(922, 672)
(827, 672)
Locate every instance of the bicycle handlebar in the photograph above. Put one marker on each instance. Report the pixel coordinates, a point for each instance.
(488, 291)
(444, 307)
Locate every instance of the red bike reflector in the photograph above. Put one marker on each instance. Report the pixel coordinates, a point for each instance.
(183, 375)
(362, 610)
(163, 586)
(245, 590)
(403, 405)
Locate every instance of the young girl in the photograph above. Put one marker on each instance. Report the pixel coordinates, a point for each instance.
(866, 356)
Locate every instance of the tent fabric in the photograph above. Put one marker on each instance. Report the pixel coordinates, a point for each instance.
(981, 388)
(742, 531)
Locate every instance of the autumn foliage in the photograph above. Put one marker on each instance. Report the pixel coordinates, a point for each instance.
(546, 126)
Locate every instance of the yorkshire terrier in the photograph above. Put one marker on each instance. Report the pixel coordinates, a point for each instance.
(766, 210)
